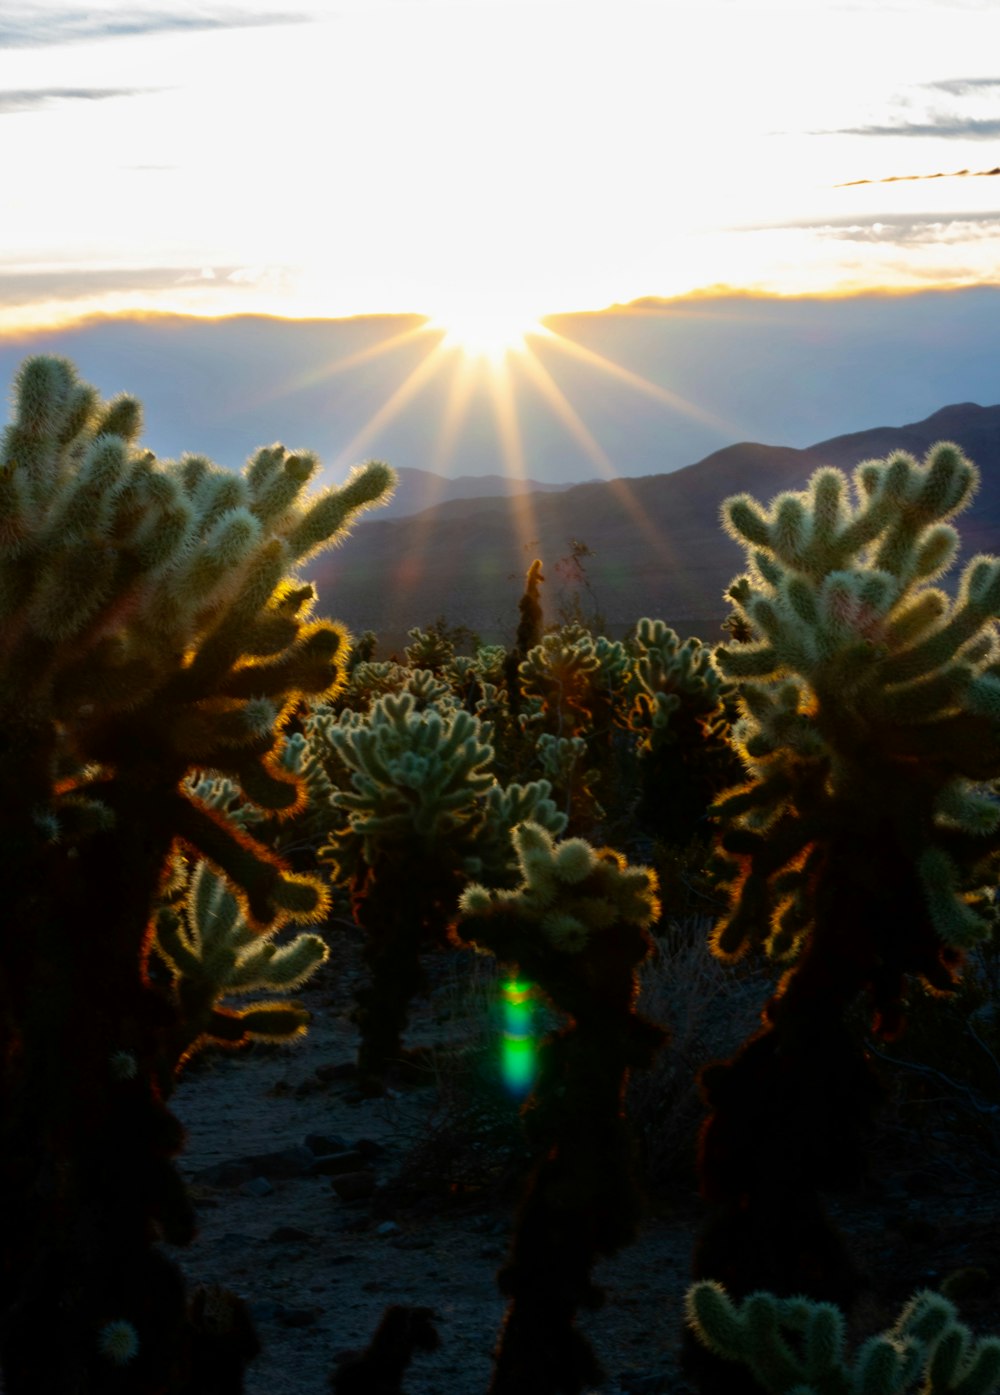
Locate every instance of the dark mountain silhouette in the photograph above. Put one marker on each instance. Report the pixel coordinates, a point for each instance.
(423, 489)
(656, 544)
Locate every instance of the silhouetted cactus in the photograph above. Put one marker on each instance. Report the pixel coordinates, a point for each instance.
(529, 633)
(575, 927)
(147, 630)
(863, 847)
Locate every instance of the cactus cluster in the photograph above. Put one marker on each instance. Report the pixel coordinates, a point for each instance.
(424, 812)
(151, 627)
(679, 711)
(794, 1346)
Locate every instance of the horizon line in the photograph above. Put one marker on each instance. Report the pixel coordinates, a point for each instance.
(639, 305)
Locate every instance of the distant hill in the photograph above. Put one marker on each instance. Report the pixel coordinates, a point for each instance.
(656, 543)
(423, 489)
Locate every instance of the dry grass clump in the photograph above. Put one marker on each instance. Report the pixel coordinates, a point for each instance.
(709, 1009)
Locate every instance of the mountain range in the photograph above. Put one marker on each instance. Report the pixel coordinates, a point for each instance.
(650, 545)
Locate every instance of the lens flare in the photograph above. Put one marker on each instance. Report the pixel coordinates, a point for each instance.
(518, 1064)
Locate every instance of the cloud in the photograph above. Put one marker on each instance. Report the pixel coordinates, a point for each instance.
(31, 98)
(33, 28)
(946, 127)
(25, 287)
(905, 178)
(909, 231)
(962, 87)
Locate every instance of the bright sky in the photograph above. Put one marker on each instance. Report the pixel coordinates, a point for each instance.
(415, 155)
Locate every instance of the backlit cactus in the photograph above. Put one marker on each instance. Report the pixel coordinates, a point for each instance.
(678, 712)
(424, 814)
(576, 927)
(863, 847)
(214, 955)
(872, 698)
(797, 1345)
(151, 627)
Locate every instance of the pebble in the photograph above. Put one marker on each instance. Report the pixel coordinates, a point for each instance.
(257, 1186)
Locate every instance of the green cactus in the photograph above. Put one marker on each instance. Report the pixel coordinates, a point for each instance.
(425, 813)
(213, 954)
(576, 926)
(794, 1346)
(150, 628)
(678, 711)
(863, 847)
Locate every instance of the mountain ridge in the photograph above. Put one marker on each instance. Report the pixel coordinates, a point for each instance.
(656, 546)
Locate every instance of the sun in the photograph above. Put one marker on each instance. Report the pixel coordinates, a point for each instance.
(486, 327)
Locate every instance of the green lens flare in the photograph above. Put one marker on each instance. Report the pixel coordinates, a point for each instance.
(518, 1063)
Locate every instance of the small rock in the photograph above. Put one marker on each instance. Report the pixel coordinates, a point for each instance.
(369, 1149)
(354, 1186)
(490, 1252)
(323, 1143)
(334, 1164)
(387, 1228)
(257, 1186)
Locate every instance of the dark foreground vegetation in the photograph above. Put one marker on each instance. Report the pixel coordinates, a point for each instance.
(194, 767)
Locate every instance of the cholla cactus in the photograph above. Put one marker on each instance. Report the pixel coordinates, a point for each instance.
(871, 710)
(678, 712)
(562, 672)
(927, 1348)
(425, 812)
(213, 954)
(864, 844)
(577, 927)
(150, 625)
(430, 649)
(673, 684)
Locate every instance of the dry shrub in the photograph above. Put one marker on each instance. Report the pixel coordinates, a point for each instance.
(709, 1009)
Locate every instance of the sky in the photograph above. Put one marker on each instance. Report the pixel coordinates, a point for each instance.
(467, 194)
(443, 158)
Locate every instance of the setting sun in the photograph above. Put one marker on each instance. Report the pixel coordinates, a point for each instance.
(486, 328)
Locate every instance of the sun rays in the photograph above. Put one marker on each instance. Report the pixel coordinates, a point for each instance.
(487, 365)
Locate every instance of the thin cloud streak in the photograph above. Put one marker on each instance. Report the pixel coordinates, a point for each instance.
(907, 178)
(19, 286)
(31, 29)
(943, 127)
(32, 98)
(960, 87)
